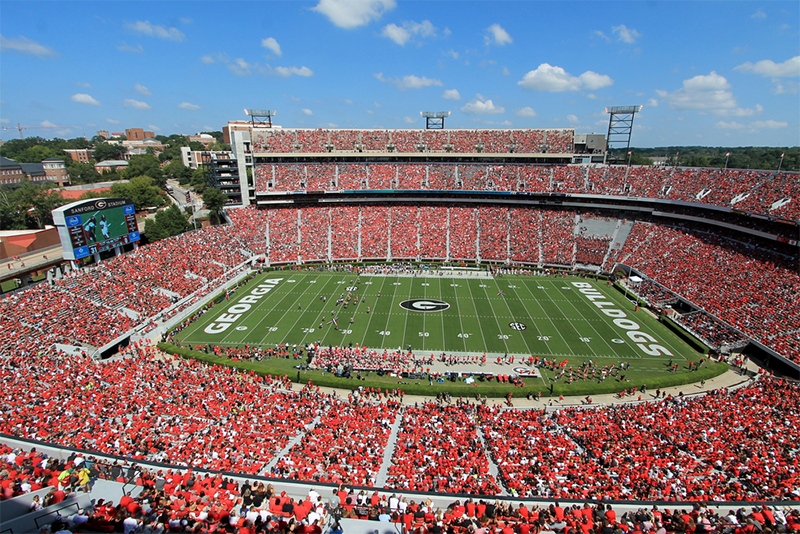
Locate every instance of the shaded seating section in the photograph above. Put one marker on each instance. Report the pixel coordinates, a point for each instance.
(755, 191)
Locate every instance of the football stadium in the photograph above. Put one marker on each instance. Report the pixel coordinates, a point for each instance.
(454, 329)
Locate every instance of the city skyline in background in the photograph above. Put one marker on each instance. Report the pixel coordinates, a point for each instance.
(706, 73)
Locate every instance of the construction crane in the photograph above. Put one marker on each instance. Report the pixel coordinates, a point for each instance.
(20, 128)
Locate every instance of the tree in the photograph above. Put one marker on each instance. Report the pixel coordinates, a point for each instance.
(146, 165)
(141, 190)
(178, 171)
(169, 222)
(28, 206)
(106, 151)
(214, 199)
(83, 173)
(199, 181)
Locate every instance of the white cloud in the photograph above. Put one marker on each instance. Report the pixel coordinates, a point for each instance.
(285, 72)
(154, 128)
(306, 111)
(593, 81)
(771, 124)
(151, 30)
(26, 46)
(506, 72)
(271, 44)
(125, 47)
(554, 79)
(112, 121)
(240, 67)
(706, 93)
(135, 104)
(3, 120)
(452, 53)
(495, 34)
(46, 124)
(408, 31)
(759, 15)
(573, 119)
(527, 111)
(601, 35)
(625, 34)
(767, 67)
(752, 126)
(653, 103)
(141, 89)
(185, 20)
(410, 81)
(84, 85)
(451, 94)
(478, 106)
(188, 106)
(83, 98)
(591, 96)
(409, 120)
(349, 14)
(369, 112)
(785, 88)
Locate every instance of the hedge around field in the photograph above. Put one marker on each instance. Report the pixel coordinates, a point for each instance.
(285, 367)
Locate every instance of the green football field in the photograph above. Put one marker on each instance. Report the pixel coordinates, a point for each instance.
(515, 315)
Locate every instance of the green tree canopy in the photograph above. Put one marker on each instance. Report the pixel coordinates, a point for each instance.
(83, 173)
(146, 165)
(28, 207)
(178, 171)
(168, 222)
(141, 190)
(105, 151)
(199, 180)
(214, 199)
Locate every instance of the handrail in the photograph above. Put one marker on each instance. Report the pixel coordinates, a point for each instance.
(55, 510)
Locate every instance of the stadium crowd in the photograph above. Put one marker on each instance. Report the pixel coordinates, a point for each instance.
(756, 191)
(726, 445)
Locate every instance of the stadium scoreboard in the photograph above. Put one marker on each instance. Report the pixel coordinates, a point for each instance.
(93, 226)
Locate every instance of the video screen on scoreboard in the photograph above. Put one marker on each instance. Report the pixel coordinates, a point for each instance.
(98, 225)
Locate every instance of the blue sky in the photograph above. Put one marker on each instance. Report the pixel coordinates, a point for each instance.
(707, 73)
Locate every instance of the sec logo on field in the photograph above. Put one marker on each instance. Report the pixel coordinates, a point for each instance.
(424, 305)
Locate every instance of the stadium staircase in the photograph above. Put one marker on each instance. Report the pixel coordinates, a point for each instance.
(388, 452)
(618, 240)
(292, 442)
(493, 470)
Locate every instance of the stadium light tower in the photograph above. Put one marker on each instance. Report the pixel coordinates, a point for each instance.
(260, 117)
(434, 120)
(620, 125)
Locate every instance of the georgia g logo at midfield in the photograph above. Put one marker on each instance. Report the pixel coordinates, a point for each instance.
(424, 305)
